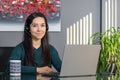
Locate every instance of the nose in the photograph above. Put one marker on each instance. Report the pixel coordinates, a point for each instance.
(39, 28)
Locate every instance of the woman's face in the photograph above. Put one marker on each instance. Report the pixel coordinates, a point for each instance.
(38, 28)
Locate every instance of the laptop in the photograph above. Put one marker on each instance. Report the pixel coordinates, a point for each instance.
(79, 62)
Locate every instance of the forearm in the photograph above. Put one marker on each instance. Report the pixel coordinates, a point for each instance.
(28, 69)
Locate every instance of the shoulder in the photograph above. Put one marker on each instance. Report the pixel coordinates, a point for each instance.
(19, 47)
(52, 48)
(17, 52)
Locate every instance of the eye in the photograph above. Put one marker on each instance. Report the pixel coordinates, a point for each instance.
(34, 25)
(43, 25)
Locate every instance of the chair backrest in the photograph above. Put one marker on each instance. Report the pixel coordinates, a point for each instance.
(4, 55)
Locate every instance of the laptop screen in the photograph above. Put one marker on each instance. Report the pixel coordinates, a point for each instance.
(80, 60)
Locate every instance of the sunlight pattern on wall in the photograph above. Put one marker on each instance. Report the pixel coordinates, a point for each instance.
(79, 32)
(110, 14)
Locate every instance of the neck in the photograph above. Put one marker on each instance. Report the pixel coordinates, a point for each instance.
(36, 43)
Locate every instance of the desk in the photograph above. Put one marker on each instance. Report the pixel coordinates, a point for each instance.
(29, 76)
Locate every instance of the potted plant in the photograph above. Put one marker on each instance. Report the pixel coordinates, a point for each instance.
(109, 59)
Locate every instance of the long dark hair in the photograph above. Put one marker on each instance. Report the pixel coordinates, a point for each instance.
(29, 58)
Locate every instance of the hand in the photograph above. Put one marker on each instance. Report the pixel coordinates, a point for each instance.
(45, 69)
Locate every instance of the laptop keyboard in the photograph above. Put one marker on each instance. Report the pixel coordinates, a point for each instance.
(52, 74)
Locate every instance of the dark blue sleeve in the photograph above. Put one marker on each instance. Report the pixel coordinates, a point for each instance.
(18, 54)
(55, 59)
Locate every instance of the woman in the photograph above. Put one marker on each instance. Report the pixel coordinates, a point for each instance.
(35, 52)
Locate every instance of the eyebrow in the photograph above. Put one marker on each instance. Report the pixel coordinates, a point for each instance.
(36, 23)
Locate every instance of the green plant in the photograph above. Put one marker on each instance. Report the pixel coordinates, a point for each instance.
(110, 51)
